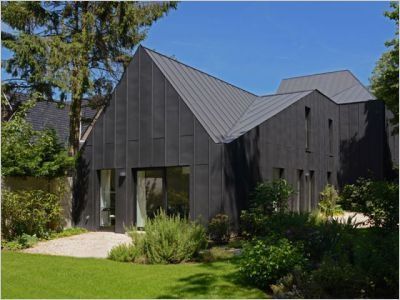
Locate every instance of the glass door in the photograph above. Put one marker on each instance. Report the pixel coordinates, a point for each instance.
(107, 198)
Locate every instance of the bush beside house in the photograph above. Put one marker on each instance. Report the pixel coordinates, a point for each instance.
(312, 255)
(34, 182)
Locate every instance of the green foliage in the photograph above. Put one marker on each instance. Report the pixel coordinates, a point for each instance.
(328, 205)
(22, 242)
(26, 152)
(252, 223)
(167, 239)
(31, 212)
(171, 239)
(335, 280)
(379, 200)
(263, 262)
(271, 197)
(385, 77)
(344, 261)
(67, 232)
(79, 49)
(218, 228)
(124, 253)
(215, 254)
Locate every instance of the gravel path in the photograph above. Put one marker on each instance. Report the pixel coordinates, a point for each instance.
(91, 244)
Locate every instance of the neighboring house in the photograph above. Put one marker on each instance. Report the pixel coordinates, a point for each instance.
(53, 115)
(176, 138)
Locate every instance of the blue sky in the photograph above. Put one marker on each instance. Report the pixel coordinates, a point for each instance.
(256, 44)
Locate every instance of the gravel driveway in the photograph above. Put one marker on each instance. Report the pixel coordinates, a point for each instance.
(91, 244)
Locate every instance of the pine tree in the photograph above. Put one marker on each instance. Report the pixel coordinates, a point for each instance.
(73, 49)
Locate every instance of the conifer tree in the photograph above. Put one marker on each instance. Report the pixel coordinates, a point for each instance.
(73, 50)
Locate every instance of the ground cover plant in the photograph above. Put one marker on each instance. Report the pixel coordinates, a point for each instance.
(41, 276)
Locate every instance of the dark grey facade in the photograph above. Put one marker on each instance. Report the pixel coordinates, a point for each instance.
(166, 114)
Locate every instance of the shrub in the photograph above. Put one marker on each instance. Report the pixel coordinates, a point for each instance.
(33, 212)
(218, 228)
(271, 197)
(252, 223)
(328, 205)
(125, 253)
(169, 239)
(335, 280)
(263, 262)
(379, 200)
(22, 242)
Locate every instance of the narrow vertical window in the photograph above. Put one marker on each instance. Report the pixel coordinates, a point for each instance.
(300, 190)
(330, 133)
(329, 177)
(107, 198)
(307, 127)
(310, 189)
(278, 173)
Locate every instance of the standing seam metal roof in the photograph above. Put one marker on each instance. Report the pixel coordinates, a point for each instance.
(341, 86)
(227, 112)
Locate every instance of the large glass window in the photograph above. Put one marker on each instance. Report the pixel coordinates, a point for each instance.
(166, 188)
(178, 191)
(107, 198)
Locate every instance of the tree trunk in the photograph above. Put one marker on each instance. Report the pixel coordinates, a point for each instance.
(74, 125)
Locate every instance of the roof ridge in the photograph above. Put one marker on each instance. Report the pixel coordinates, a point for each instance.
(322, 73)
(346, 89)
(226, 136)
(179, 62)
(277, 94)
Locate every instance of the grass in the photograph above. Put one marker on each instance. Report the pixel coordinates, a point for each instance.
(42, 276)
(67, 232)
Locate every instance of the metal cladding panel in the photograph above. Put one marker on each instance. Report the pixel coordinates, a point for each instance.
(185, 119)
(145, 109)
(186, 149)
(261, 110)
(133, 98)
(216, 104)
(159, 152)
(98, 142)
(158, 103)
(201, 187)
(133, 154)
(109, 156)
(120, 123)
(109, 118)
(215, 169)
(172, 126)
(120, 201)
(340, 86)
(201, 144)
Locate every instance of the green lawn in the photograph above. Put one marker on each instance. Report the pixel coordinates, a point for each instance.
(42, 276)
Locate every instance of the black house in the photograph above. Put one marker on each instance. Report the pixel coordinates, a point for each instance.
(177, 138)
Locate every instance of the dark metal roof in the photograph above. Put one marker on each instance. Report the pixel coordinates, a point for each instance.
(262, 109)
(340, 86)
(217, 104)
(225, 111)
